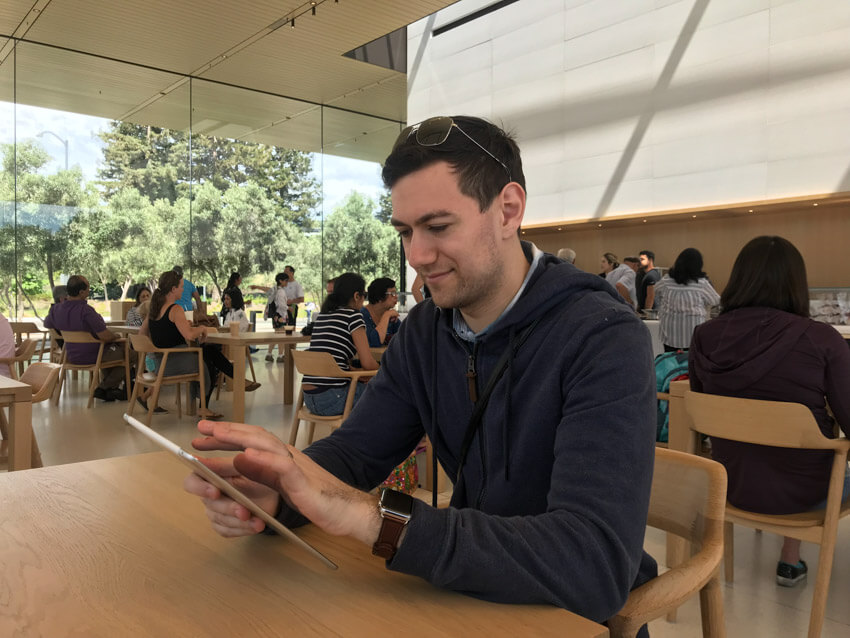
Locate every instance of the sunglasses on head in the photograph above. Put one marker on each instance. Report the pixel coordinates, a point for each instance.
(435, 131)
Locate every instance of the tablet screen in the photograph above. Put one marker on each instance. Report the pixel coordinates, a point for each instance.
(207, 474)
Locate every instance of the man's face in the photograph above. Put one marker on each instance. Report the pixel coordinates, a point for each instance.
(391, 298)
(453, 246)
(645, 261)
(634, 266)
(289, 272)
(85, 292)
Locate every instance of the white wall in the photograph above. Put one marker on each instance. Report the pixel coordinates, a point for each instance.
(627, 106)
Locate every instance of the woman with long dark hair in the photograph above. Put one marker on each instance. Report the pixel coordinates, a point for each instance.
(168, 327)
(683, 297)
(340, 331)
(764, 346)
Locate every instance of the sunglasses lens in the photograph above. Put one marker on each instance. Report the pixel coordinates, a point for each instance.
(434, 131)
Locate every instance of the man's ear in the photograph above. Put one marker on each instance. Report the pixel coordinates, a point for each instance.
(512, 199)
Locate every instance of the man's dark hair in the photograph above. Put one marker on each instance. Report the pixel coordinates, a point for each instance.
(768, 272)
(631, 260)
(479, 175)
(76, 284)
(59, 293)
(378, 289)
(178, 270)
(649, 254)
(687, 267)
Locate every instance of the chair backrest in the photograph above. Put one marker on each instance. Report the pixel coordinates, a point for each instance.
(775, 423)
(317, 364)
(142, 343)
(26, 350)
(77, 336)
(688, 496)
(42, 376)
(24, 328)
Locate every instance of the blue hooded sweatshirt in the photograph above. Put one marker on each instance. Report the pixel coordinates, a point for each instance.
(552, 500)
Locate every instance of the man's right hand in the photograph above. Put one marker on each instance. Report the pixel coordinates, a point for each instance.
(228, 518)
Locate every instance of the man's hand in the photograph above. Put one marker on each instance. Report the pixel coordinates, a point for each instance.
(267, 462)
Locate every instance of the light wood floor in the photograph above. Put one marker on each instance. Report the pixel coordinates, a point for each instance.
(755, 606)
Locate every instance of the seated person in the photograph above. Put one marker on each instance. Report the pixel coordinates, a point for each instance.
(234, 281)
(77, 315)
(764, 346)
(379, 314)
(134, 318)
(168, 327)
(234, 307)
(7, 345)
(339, 330)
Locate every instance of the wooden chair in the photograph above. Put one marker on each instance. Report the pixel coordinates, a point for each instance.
(55, 352)
(21, 328)
(220, 378)
(42, 376)
(688, 499)
(144, 346)
(322, 364)
(73, 336)
(24, 354)
(787, 425)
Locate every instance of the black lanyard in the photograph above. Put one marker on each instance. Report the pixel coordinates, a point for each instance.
(478, 410)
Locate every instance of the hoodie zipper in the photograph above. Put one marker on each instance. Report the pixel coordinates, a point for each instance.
(472, 380)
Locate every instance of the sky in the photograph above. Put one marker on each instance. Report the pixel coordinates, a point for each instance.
(342, 175)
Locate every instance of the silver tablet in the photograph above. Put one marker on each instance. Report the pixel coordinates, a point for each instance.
(208, 475)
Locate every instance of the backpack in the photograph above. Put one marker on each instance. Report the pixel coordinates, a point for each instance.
(669, 366)
(271, 309)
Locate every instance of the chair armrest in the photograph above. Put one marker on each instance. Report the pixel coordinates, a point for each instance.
(360, 374)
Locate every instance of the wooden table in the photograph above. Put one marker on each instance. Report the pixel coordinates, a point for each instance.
(18, 397)
(116, 548)
(239, 350)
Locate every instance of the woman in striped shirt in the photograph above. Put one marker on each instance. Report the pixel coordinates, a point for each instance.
(340, 331)
(683, 297)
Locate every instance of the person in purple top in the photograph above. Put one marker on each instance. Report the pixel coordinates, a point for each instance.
(76, 314)
(764, 346)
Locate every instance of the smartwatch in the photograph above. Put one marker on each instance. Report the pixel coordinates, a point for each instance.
(395, 509)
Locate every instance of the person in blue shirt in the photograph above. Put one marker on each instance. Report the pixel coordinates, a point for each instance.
(189, 291)
(380, 315)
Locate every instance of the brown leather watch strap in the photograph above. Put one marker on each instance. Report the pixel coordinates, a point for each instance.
(388, 538)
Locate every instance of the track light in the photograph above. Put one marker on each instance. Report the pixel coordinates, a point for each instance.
(292, 24)
(314, 9)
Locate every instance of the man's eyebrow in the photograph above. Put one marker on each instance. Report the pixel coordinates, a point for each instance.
(425, 219)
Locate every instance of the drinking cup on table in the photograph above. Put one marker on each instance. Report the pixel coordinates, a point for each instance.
(234, 328)
(289, 329)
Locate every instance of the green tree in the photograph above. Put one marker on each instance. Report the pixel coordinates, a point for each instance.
(240, 229)
(356, 241)
(45, 205)
(385, 208)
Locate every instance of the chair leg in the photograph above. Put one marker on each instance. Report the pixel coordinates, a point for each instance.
(310, 432)
(729, 551)
(59, 385)
(35, 453)
(95, 377)
(821, 593)
(180, 402)
(133, 396)
(251, 365)
(711, 609)
(153, 401)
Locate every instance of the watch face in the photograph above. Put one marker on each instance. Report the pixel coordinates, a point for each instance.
(396, 503)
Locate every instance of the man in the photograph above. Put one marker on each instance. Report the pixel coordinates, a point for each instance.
(623, 279)
(551, 483)
(74, 313)
(646, 284)
(568, 255)
(189, 292)
(294, 295)
(379, 315)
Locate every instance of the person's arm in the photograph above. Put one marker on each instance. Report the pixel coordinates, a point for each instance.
(624, 293)
(416, 289)
(837, 377)
(650, 296)
(187, 330)
(265, 289)
(145, 328)
(384, 325)
(97, 326)
(361, 343)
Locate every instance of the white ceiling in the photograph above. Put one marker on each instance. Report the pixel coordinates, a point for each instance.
(243, 44)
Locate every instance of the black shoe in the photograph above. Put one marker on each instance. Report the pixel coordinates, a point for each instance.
(103, 395)
(789, 575)
(117, 394)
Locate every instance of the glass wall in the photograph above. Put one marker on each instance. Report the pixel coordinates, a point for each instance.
(146, 170)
